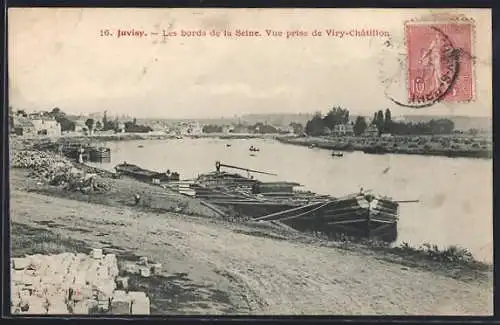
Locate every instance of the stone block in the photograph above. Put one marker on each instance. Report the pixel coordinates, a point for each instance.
(122, 282)
(37, 306)
(156, 268)
(17, 277)
(131, 268)
(141, 306)
(79, 293)
(84, 307)
(145, 271)
(110, 258)
(23, 293)
(20, 263)
(103, 305)
(104, 289)
(14, 310)
(15, 301)
(120, 304)
(36, 262)
(96, 253)
(57, 306)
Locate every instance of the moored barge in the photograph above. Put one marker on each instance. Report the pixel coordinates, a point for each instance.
(360, 214)
(145, 175)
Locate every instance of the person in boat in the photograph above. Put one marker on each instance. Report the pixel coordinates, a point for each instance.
(217, 166)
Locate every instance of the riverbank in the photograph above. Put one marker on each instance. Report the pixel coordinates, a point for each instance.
(138, 136)
(448, 146)
(242, 267)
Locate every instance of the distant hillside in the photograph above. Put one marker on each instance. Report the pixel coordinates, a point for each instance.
(461, 122)
(277, 118)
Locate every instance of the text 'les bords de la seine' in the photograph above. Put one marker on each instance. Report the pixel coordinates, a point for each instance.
(135, 33)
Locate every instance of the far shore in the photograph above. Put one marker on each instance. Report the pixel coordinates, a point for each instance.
(466, 146)
(447, 145)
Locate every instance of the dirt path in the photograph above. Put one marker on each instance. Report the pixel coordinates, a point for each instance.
(259, 275)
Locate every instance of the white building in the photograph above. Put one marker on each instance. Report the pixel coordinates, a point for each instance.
(44, 126)
(343, 129)
(371, 131)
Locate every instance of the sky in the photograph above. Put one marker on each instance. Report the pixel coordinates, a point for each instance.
(58, 58)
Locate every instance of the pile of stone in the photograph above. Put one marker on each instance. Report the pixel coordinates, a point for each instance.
(72, 284)
(57, 171)
(31, 159)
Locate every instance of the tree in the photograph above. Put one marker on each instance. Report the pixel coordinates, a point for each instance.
(98, 125)
(212, 128)
(360, 125)
(315, 126)
(105, 125)
(90, 124)
(66, 124)
(387, 122)
(378, 120)
(297, 128)
(337, 115)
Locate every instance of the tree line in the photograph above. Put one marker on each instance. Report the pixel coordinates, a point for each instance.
(322, 125)
(259, 127)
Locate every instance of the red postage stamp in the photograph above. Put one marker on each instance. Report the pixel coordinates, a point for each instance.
(440, 65)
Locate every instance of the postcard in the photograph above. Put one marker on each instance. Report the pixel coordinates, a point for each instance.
(250, 161)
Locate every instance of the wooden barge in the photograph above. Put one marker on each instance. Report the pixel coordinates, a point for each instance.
(145, 175)
(360, 214)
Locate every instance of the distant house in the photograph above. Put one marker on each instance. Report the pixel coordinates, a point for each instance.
(371, 131)
(121, 127)
(46, 126)
(23, 126)
(80, 126)
(386, 135)
(343, 129)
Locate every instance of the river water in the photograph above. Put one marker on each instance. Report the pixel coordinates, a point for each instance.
(456, 200)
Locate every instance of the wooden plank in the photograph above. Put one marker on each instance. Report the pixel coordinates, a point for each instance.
(377, 230)
(346, 221)
(344, 210)
(286, 211)
(304, 213)
(282, 225)
(208, 205)
(338, 217)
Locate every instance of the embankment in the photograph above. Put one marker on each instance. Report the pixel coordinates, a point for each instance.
(409, 145)
(214, 266)
(255, 274)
